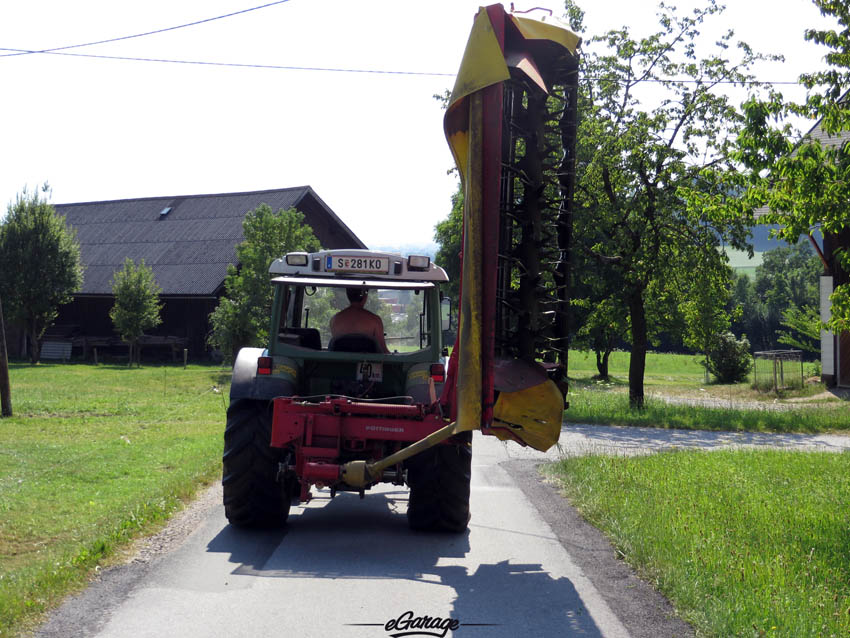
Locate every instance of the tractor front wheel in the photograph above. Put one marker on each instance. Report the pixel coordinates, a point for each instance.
(439, 486)
(253, 495)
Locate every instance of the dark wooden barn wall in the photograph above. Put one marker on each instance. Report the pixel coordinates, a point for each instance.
(181, 317)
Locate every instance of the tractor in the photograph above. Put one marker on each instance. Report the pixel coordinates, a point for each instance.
(340, 399)
(348, 411)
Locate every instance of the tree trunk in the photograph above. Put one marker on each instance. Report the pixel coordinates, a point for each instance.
(35, 343)
(637, 360)
(5, 390)
(602, 363)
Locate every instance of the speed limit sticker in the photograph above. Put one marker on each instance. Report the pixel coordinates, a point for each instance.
(370, 371)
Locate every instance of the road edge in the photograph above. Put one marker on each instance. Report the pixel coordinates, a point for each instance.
(643, 611)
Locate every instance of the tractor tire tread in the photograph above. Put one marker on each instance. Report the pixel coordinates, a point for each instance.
(253, 497)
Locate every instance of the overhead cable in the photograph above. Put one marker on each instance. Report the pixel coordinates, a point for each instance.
(285, 67)
(236, 64)
(138, 35)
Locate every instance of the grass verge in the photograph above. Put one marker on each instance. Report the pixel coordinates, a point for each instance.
(608, 407)
(744, 543)
(93, 457)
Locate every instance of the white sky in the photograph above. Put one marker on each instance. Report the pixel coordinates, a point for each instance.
(371, 145)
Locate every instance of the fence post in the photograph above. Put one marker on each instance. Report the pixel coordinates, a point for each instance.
(775, 385)
(185, 357)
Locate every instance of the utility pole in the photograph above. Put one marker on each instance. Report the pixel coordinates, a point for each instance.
(5, 390)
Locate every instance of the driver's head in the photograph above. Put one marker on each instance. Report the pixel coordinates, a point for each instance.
(355, 295)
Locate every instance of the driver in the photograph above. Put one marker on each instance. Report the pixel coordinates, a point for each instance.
(357, 320)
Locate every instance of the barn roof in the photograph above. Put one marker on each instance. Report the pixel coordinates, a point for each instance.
(189, 240)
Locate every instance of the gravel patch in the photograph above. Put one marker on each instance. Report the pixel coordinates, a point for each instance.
(178, 528)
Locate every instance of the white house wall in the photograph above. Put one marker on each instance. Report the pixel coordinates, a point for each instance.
(827, 339)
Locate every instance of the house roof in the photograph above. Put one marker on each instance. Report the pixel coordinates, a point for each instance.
(191, 245)
(816, 133)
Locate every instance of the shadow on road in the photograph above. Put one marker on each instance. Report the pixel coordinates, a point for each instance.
(346, 538)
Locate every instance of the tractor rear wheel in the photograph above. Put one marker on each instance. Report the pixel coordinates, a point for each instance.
(439, 486)
(253, 495)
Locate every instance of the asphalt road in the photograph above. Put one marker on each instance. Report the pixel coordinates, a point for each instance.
(528, 565)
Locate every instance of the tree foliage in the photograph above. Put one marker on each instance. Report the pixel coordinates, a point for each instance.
(786, 280)
(603, 325)
(645, 171)
(803, 182)
(137, 305)
(802, 329)
(242, 316)
(39, 264)
(449, 235)
(705, 309)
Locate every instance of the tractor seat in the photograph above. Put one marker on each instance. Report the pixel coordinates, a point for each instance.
(353, 343)
(304, 337)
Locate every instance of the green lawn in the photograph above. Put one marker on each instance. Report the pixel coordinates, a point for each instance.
(92, 457)
(662, 369)
(680, 375)
(744, 543)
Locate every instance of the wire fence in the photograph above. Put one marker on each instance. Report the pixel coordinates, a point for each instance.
(776, 370)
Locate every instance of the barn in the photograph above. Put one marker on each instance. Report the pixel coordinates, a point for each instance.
(188, 241)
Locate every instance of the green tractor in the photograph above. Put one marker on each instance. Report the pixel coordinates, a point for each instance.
(323, 401)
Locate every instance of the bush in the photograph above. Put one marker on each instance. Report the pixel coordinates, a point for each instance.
(814, 368)
(729, 358)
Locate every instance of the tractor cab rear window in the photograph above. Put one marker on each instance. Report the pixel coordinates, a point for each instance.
(307, 311)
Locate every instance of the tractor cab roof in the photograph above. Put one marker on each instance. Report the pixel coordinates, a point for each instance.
(363, 268)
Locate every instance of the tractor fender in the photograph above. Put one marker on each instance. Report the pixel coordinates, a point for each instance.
(246, 384)
(420, 385)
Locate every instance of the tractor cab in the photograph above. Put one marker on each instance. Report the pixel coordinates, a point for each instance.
(402, 293)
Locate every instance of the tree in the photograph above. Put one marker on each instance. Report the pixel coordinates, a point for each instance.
(243, 314)
(5, 390)
(449, 235)
(803, 326)
(601, 328)
(644, 172)
(39, 264)
(786, 280)
(803, 182)
(705, 309)
(136, 306)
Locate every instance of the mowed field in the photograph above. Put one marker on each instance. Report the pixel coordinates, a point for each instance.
(94, 456)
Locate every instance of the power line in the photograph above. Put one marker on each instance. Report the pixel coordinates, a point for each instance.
(233, 64)
(18, 52)
(284, 67)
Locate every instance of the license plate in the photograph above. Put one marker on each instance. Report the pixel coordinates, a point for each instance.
(341, 263)
(370, 371)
